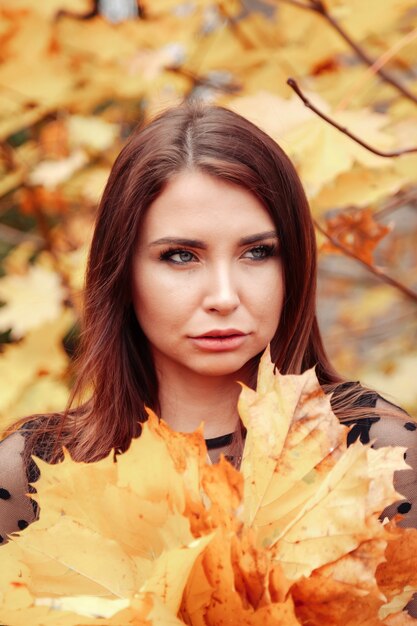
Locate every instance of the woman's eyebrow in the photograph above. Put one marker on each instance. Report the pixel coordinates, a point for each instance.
(269, 234)
(197, 243)
(179, 241)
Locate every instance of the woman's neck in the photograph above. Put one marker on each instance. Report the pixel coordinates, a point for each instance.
(187, 399)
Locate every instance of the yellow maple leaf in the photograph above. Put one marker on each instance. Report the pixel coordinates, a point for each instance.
(219, 50)
(256, 31)
(145, 548)
(360, 187)
(171, 573)
(45, 394)
(30, 300)
(39, 353)
(27, 33)
(51, 173)
(300, 478)
(73, 265)
(307, 41)
(89, 185)
(271, 74)
(17, 261)
(91, 133)
(31, 71)
(145, 610)
(283, 398)
(274, 114)
(101, 40)
(357, 569)
(49, 8)
(321, 152)
(377, 18)
(350, 87)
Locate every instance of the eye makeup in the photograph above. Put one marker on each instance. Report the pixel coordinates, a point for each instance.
(185, 255)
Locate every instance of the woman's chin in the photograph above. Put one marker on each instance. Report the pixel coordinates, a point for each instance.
(232, 364)
(223, 367)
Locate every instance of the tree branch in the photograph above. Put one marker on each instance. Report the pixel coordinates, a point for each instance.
(371, 268)
(397, 202)
(299, 4)
(393, 153)
(318, 7)
(373, 69)
(234, 25)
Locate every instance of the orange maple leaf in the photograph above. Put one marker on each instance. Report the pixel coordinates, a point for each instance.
(357, 231)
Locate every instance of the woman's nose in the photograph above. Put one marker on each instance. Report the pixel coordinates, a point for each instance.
(221, 293)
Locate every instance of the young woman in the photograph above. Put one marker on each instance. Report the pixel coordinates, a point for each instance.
(203, 254)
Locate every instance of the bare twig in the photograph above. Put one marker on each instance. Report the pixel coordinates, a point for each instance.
(298, 3)
(392, 153)
(371, 268)
(237, 31)
(318, 7)
(397, 202)
(373, 69)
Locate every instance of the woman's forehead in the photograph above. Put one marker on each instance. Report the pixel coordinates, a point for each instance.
(194, 203)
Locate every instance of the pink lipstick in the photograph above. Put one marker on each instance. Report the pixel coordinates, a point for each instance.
(220, 340)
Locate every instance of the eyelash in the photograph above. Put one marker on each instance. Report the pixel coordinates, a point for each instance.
(166, 255)
(268, 250)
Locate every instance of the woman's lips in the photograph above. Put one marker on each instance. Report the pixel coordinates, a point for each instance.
(220, 342)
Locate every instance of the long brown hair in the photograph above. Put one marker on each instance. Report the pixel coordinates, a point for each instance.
(116, 377)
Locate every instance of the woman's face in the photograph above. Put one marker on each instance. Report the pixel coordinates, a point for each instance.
(207, 277)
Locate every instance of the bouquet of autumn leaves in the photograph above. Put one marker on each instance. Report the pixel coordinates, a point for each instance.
(163, 537)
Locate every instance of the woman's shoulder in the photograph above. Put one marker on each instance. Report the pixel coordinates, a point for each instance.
(17, 510)
(383, 423)
(399, 429)
(394, 426)
(370, 417)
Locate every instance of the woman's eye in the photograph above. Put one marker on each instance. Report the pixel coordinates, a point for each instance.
(259, 252)
(178, 256)
(183, 257)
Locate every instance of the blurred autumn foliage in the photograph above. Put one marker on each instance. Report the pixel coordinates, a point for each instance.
(73, 84)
